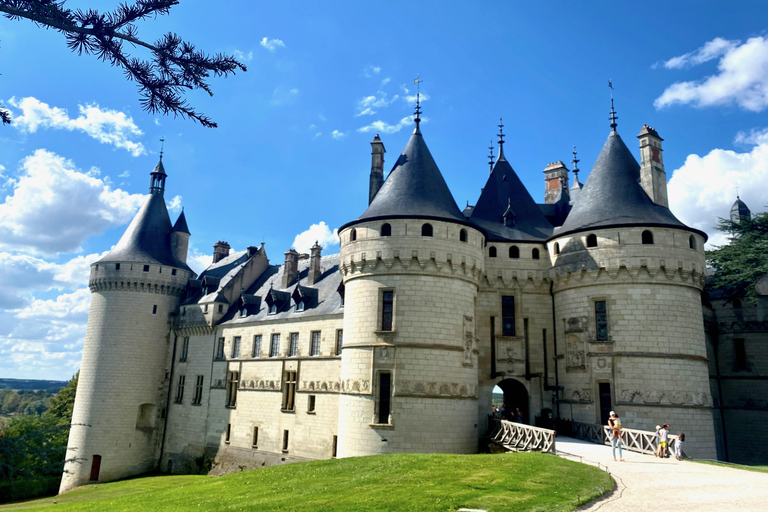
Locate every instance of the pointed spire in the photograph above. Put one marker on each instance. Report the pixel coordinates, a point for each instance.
(490, 157)
(613, 117)
(417, 112)
(501, 140)
(157, 176)
(575, 163)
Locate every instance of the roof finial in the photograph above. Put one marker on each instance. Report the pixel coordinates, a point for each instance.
(162, 145)
(501, 139)
(737, 193)
(490, 157)
(418, 81)
(613, 117)
(575, 163)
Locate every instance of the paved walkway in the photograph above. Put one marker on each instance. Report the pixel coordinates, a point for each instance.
(646, 483)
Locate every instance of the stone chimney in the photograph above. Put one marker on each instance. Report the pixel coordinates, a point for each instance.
(377, 167)
(652, 176)
(291, 268)
(220, 251)
(314, 264)
(555, 180)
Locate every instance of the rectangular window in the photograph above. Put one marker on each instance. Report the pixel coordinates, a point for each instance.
(173, 272)
(334, 446)
(180, 389)
(604, 389)
(601, 321)
(289, 391)
(205, 308)
(385, 393)
(198, 398)
(229, 433)
(146, 268)
(339, 341)
(740, 355)
(387, 310)
(256, 346)
(285, 440)
(311, 404)
(294, 349)
(507, 315)
(232, 383)
(315, 348)
(274, 347)
(236, 347)
(221, 308)
(220, 349)
(117, 266)
(184, 349)
(154, 309)
(255, 442)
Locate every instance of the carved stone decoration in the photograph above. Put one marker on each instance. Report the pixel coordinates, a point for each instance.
(575, 324)
(435, 389)
(469, 340)
(575, 356)
(356, 386)
(583, 395)
(655, 397)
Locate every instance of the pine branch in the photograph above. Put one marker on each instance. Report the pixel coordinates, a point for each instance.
(176, 65)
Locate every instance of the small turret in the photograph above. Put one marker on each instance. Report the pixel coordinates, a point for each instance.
(314, 264)
(157, 178)
(740, 211)
(180, 238)
(377, 167)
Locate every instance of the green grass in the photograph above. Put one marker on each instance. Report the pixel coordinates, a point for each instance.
(760, 469)
(510, 481)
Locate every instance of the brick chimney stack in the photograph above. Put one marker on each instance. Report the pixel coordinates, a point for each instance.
(555, 179)
(652, 175)
(291, 268)
(377, 167)
(220, 251)
(314, 264)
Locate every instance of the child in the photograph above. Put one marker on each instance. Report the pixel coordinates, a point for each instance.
(657, 452)
(663, 436)
(679, 446)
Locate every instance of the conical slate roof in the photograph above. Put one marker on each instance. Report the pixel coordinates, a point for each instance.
(613, 196)
(181, 224)
(147, 239)
(504, 189)
(740, 209)
(414, 188)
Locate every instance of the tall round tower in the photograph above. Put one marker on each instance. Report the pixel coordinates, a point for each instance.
(411, 264)
(116, 421)
(628, 277)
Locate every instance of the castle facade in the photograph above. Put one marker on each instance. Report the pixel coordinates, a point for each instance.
(589, 302)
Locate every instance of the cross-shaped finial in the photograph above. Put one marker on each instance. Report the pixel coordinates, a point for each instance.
(501, 132)
(490, 157)
(613, 117)
(418, 81)
(575, 162)
(162, 145)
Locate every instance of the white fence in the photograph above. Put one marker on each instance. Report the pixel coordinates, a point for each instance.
(520, 437)
(633, 440)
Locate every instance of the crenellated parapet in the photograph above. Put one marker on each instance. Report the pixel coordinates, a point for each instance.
(137, 277)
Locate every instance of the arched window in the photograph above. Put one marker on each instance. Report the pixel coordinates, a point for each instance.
(592, 240)
(492, 252)
(736, 304)
(426, 230)
(647, 237)
(535, 254)
(273, 309)
(353, 235)
(300, 306)
(463, 235)
(386, 229)
(557, 248)
(514, 252)
(691, 242)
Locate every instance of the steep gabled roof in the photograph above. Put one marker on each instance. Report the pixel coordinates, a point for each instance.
(181, 224)
(147, 238)
(613, 196)
(414, 188)
(504, 189)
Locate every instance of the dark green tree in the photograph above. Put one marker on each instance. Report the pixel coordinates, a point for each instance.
(740, 264)
(175, 66)
(64, 401)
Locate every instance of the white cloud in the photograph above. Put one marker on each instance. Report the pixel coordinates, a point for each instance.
(710, 50)
(157, 122)
(385, 81)
(316, 232)
(705, 187)
(283, 96)
(72, 307)
(372, 70)
(54, 207)
(336, 134)
(272, 44)
(321, 117)
(318, 134)
(174, 205)
(247, 57)
(198, 261)
(752, 138)
(411, 98)
(124, 174)
(741, 78)
(106, 126)
(384, 127)
(367, 105)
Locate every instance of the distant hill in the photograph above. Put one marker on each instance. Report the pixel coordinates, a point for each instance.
(51, 386)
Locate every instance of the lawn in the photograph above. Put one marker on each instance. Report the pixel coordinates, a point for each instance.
(510, 481)
(760, 469)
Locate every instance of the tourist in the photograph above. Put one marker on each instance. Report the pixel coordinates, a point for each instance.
(503, 411)
(614, 423)
(657, 452)
(518, 415)
(663, 436)
(679, 446)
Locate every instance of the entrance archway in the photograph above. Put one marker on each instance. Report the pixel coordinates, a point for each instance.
(515, 397)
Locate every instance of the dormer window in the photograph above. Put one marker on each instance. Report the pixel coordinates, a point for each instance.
(300, 306)
(243, 312)
(277, 301)
(273, 309)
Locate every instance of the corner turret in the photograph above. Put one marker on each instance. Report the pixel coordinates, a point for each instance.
(740, 211)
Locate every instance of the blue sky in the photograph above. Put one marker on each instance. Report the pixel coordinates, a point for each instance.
(292, 148)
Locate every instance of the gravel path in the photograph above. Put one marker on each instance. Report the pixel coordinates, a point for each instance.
(646, 483)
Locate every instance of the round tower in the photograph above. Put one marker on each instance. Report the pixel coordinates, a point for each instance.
(628, 277)
(117, 418)
(411, 266)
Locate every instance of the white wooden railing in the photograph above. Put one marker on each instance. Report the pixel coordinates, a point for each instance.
(633, 440)
(520, 437)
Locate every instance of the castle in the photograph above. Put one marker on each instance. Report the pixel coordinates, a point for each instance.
(589, 302)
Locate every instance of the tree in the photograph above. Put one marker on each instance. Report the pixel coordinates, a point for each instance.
(744, 261)
(176, 66)
(64, 401)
